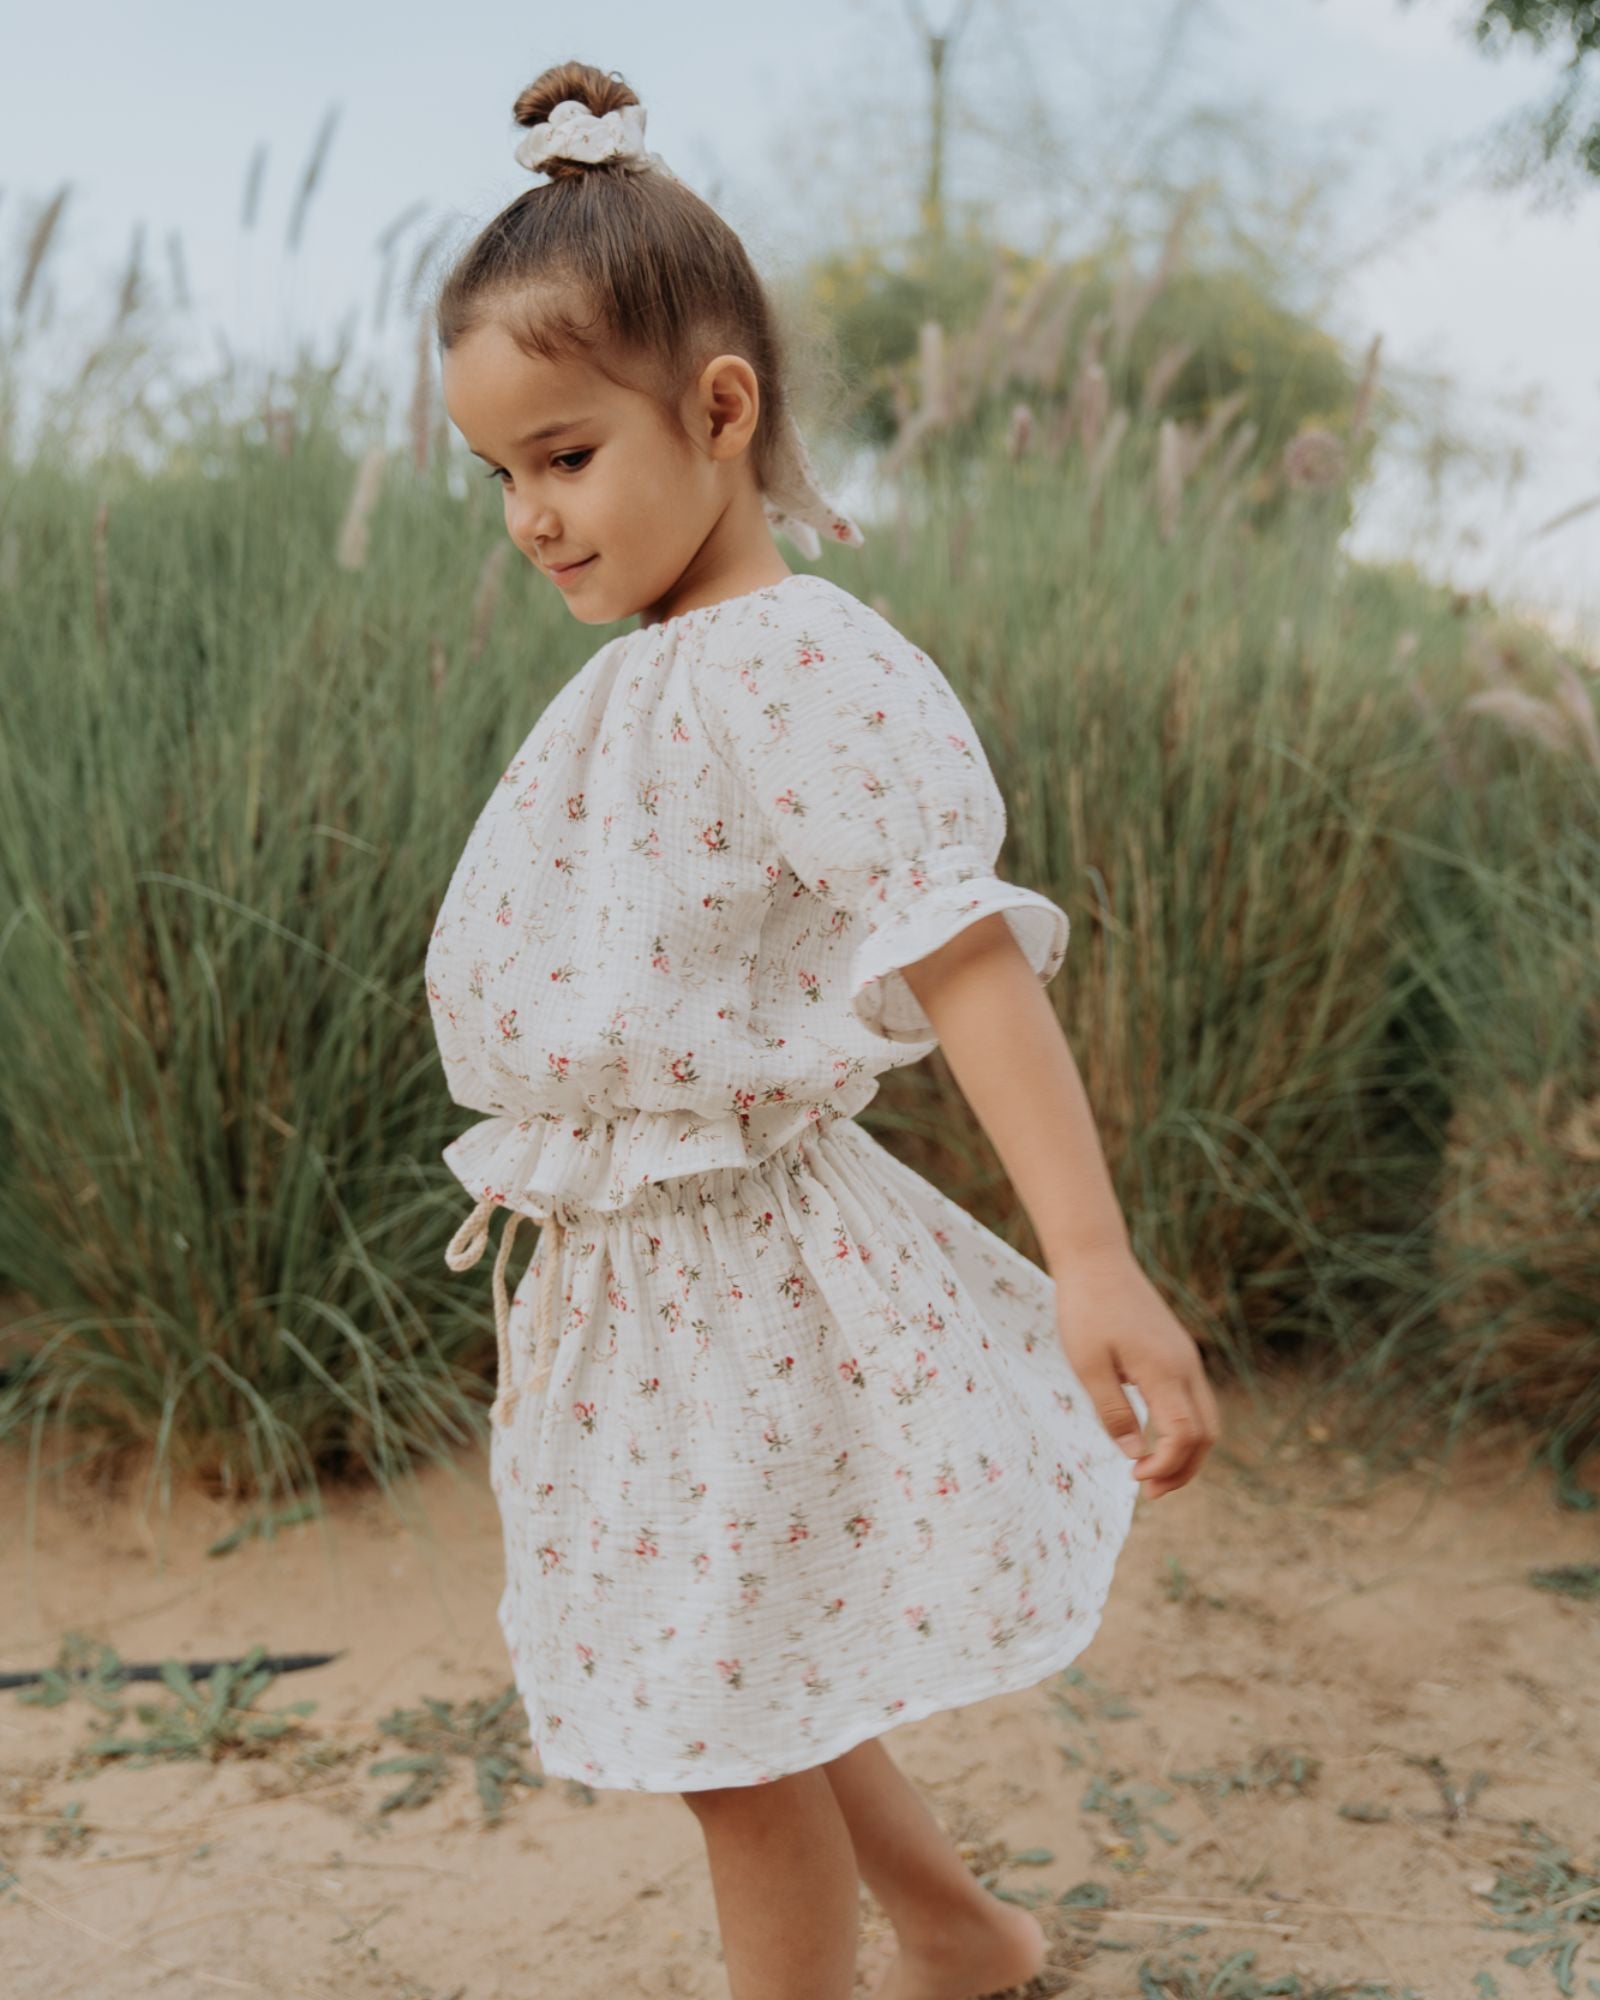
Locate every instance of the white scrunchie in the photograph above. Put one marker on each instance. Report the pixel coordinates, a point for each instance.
(572, 132)
(793, 503)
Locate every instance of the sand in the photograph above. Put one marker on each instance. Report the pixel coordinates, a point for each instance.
(1270, 1746)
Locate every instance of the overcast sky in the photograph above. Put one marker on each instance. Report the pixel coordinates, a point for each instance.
(791, 123)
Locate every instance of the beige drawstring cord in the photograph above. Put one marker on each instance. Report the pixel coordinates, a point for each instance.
(466, 1247)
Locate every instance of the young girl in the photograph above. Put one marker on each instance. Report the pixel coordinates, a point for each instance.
(788, 1448)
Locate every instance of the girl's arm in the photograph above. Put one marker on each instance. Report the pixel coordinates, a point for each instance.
(1006, 1050)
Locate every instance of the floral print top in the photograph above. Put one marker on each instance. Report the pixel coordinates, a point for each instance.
(675, 934)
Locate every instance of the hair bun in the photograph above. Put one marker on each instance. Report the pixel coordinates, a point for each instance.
(599, 91)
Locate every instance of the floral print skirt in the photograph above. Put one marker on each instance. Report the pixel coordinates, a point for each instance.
(810, 1462)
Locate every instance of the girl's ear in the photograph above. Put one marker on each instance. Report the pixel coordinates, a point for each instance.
(731, 399)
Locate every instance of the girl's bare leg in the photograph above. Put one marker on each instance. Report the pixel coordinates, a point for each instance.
(955, 1939)
(784, 1877)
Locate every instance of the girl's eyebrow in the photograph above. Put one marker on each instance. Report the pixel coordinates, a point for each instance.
(544, 431)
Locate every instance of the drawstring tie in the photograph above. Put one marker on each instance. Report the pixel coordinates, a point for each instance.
(466, 1247)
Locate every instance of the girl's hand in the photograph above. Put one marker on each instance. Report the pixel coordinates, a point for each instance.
(1115, 1327)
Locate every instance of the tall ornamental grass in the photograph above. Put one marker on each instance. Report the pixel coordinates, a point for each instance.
(1326, 835)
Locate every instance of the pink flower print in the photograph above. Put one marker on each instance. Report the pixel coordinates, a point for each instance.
(576, 808)
(641, 1694)
(649, 1384)
(586, 1659)
(992, 1467)
(773, 1438)
(549, 1559)
(507, 1025)
(681, 1068)
(763, 1223)
(695, 1749)
(584, 1412)
(833, 1607)
(946, 1482)
(751, 1584)
(743, 1100)
(858, 1527)
(702, 1563)
(840, 531)
(645, 1544)
(784, 1369)
(713, 839)
(475, 979)
(557, 1066)
(732, 1671)
(647, 844)
(794, 1287)
(919, 1619)
(809, 655)
(812, 1679)
(894, 1707)
(839, 1458)
(842, 1246)
(920, 1378)
(798, 1531)
(790, 801)
(851, 1371)
(659, 961)
(679, 732)
(1062, 1479)
(810, 985)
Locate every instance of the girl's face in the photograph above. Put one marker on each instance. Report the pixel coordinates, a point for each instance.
(592, 474)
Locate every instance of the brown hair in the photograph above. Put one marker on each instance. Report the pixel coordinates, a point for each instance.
(618, 262)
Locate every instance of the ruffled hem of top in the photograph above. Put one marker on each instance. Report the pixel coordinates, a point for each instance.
(530, 1163)
(928, 900)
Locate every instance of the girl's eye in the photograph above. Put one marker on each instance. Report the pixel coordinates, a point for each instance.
(499, 471)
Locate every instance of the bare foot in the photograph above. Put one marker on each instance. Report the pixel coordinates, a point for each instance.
(1007, 1950)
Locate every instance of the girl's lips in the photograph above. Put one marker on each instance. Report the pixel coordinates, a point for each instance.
(570, 570)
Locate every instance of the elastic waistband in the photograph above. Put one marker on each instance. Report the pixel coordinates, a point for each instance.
(467, 1245)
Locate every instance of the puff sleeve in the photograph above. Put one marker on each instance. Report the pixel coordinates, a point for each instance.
(870, 775)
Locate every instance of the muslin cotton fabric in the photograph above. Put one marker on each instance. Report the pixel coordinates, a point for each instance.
(811, 1460)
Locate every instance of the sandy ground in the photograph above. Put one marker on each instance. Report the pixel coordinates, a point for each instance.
(1321, 1716)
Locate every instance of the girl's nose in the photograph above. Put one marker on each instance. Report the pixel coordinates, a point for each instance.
(534, 526)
